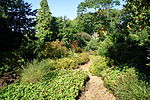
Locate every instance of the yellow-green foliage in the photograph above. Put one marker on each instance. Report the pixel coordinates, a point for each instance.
(35, 70)
(98, 66)
(65, 63)
(126, 85)
(81, 58)
(56, 85)
(104, 47)
(55, 50)
(110, 77)
(72, 62)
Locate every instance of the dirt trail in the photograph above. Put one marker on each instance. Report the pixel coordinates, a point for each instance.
(94, 89)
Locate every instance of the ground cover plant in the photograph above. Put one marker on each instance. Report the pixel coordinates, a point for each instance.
(81, 58)
(98, 66)
(126, 84)
(35, 70)
(58, 84)
(123, 81)
(119, 38)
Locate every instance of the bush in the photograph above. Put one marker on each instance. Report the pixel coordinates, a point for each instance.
(36, 70)
(58, 85)
(81, 58)
(55, 50)
(126, 85)
(83, 38)
(72, 62)
(65, 63)
(92, 45)
(104, 46)
(110, 77)
(98, 66)
(10, 60)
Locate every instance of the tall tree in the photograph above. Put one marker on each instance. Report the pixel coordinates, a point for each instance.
(96, 5)
(16, 32)
(131, 42)
(98, 12)
(18, 21)
(138, 24)
(43, 23)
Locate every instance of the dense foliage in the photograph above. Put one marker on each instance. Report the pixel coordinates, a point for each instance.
(51, 48)
(54, 50)
(58, 84)
(98, 66)
(16, 32)
(123, 81)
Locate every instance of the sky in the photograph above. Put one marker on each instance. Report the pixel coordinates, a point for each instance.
(62, 7)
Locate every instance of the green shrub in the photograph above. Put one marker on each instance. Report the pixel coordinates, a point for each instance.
(110, 78)
(126, 85)
(92, 45)
(98, 66)
(81, 58)
(36, 70)
(104, 46)
(10, 60)
(83, 38)
(57, 85)
(55, 50)
(72, 62)
(65, 63)
(129, 87)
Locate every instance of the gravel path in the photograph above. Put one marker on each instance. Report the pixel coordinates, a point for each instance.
(94, 89)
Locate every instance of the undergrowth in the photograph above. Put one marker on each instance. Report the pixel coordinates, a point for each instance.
(36, 70)
(58, 84)
(123, 81)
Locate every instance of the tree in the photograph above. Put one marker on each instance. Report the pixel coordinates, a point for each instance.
(131, 41)
(43, 23)
(138, 23)
(18, 21)
(97, 12)
(67, 30)
(96, 5)
(16, 31)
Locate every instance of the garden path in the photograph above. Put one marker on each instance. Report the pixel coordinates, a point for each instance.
(94, 88)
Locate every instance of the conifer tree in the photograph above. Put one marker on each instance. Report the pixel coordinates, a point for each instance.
(43, 26)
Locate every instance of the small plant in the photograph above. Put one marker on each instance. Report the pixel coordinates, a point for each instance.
(126, 85)
(64, 85)
(66, 63)
(55, 50)
(81, 58)
(36, 70)
(98, 66)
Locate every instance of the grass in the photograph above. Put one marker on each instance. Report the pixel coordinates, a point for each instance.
(48, 80)
(123, 81)
(56, 85)
(36, 70)
(129, 87)
(99, 64)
